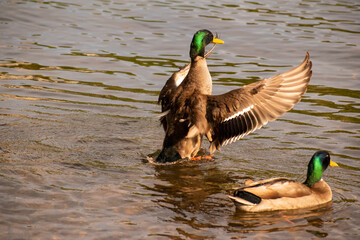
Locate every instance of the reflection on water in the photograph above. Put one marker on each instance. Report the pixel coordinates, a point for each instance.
(293, 221)
(78, 94)
(187, 188)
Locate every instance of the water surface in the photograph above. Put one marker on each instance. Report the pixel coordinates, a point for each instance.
(79, 82)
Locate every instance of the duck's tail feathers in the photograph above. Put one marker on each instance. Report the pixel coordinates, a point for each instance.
(245, 198)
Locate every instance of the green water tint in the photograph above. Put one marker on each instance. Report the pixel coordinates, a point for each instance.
(138, 60)
(78, 100)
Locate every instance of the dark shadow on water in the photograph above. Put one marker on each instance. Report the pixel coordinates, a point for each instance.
(189, 185)
(193, 194)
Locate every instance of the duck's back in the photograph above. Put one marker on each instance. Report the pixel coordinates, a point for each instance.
(282, 194)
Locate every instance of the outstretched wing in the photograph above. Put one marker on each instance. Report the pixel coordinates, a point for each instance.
(239, 112)
(171, 84)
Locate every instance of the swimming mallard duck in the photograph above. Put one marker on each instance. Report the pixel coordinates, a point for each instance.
(190, 111)
(286, 194)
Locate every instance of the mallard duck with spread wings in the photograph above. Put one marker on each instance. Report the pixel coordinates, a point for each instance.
(189, 111)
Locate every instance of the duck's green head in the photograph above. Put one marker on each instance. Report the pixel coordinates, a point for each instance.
(200, 40)
(317, 165)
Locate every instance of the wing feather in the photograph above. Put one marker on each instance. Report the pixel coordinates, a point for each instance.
(241, 111)
(276, 188)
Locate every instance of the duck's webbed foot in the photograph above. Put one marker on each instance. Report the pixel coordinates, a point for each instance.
(202, 156)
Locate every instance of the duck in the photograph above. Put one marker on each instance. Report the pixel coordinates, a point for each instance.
(190, 111)
(286, 194)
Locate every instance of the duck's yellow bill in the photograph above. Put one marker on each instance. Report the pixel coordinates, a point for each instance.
(216, 40)
(333, 164)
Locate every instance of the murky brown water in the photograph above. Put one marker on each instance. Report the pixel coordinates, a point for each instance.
(78, 88)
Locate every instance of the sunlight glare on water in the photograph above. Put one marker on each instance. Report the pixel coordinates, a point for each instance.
(79, 82)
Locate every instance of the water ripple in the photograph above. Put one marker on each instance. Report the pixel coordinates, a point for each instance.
(78, 94)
